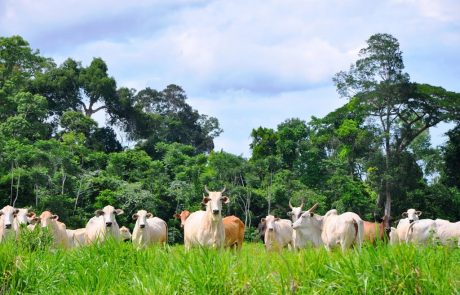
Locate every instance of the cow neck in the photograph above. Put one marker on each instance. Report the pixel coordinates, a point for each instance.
(210, 222)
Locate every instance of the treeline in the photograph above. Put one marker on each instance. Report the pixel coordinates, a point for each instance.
(370, 156)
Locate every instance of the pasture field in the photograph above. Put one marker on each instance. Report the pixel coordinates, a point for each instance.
(118, 268)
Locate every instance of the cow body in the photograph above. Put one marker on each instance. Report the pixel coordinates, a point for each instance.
(234, 232)
(374, 231)
(206, 228)
(448, 232)
(308, 229)
(148, 230)
(103, 225)
(278, 233)
(331, 229)
(421, 231)
(56, 228)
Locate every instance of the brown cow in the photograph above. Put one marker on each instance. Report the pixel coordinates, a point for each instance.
(234, 232)
(182, 217)
(375, 231)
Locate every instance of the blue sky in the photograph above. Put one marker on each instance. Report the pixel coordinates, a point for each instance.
(248, 63)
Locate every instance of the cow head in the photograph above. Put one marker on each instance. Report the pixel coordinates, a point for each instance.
(182, 217)
(307, 219)
(295, 211)
(270, 221)
(108, 214)
(125, 234)
(141, 218)
(46, 218)
(25, 216)
(214, 201)
(412, 215)
(8, 213)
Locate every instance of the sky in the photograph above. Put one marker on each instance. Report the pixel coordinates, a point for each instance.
(249, 63)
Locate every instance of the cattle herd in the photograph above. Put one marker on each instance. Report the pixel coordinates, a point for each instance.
(207, 228)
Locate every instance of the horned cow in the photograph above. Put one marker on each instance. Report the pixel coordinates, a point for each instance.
(205, 228)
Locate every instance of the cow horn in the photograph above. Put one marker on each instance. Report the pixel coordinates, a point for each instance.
(301, 205)
(313, 208)
(290, 205)
(206, 188)
(223, 190)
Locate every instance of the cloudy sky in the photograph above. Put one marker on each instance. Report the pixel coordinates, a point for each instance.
(249, 63)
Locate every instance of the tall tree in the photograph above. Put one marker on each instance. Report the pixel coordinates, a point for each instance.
(402, 110)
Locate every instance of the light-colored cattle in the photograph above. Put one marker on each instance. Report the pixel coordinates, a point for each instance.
(76, 237)
(234, 232)
(205, 228)
(125, 234)
(299, 240)
(7, 222)
(148, 230)
(278, 233)
(23, 218)
(56, 228)
(308, 227)
(102, 225)
(345, 229)
(393, 236)
(182, 217)
(402, 228)
(448, 232)
(421, 231)
(374, 231)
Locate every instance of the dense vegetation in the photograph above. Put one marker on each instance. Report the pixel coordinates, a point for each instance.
(121, 269)
(371, 156)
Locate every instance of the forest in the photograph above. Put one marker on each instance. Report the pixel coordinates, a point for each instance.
(372, 156)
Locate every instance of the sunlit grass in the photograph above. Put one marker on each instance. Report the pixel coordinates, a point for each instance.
(118, 268)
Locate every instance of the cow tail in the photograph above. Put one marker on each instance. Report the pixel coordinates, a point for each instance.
(355, 225)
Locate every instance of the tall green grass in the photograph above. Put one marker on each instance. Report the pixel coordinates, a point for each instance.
(118, 268)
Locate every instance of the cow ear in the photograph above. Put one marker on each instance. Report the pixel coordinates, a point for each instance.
(277, 219)
(290, 213)
(418, 213)
(205, 200)
(55, 217)
(16, 211)
(262, 220)
(225, 200)
(119, 211)
(31, 214)
(98, 212)
(404, 214)
(1, 212)
(149, 215)
(35, 220)
(311, 214)
(135, 216)
(177, 215)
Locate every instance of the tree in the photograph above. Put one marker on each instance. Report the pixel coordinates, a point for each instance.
(403, 110)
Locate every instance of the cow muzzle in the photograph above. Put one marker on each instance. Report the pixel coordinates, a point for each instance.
(108, 224)
(142, 225)
(215, 211)
(411, 220)
(8, 226)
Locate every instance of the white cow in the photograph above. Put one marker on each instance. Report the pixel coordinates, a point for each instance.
(421, 231)
(393, 235)
(345, 229)
(24, 216)
(103, 224)
(76, 237)
(297, 237)
(278, 233)
(205, 228)
(402, 228)
(308, 229)
(56, 228)
(148, 230)
(125, 234)
(448, 232)
(7, 222)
